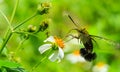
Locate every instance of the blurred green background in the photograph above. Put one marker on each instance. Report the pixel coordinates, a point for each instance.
(99, 17)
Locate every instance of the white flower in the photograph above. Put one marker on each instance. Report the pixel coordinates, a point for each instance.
(100, 67)
(55, 43)
(75, 57)
(71, 44)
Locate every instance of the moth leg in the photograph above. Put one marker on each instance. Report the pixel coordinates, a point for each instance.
(72, 37)
(72, 30)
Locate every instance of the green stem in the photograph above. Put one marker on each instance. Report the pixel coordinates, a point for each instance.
(34, 67)
(14, 10)
(5, 42)
(32, 70)
(31, 34)
(20, 44)
(8, 33)
(5, 17)
(25, 21)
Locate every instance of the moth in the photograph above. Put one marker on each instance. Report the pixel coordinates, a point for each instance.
(87, 40)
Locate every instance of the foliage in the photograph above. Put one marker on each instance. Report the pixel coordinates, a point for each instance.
(25, 24)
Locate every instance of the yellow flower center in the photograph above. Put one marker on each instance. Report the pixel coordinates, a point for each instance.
(76, 53)
(59, 42)
(100, 64)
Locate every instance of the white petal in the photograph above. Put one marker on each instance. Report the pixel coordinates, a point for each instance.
(44, 48)
(103, 68)
(75, 58)
(50, 39)
(71, 58)
(54, 56)
(61, 53)
(59, 60)
(81, 59)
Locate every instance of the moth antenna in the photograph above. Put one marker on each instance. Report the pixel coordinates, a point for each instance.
(72, 20)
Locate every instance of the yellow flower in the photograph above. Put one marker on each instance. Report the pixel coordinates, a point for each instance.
(57, 45)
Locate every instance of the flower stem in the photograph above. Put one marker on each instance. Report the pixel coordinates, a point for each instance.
(25, 21)
(5, 42)
(5, 17)
(9, 33)
(20, 44)
(18, 49)
(34, 67)
(32, 70)
(11, 30)
(14, 10)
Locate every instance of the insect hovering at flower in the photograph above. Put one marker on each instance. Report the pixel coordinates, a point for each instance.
(87, 40)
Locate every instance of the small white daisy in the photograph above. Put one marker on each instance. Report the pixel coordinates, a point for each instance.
(75, 57)
(57, 45)
(100, 67)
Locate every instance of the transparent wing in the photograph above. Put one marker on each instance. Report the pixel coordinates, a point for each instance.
(114, 43)
(74, 21)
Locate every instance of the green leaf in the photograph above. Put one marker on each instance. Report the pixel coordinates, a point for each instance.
(8, 64)
(7, 69)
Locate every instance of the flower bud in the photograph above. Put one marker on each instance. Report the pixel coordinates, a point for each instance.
(44, 25)
(31, 28)
(43, 8)
(12, 57)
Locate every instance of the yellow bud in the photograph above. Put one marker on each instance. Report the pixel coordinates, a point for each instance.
(31, 28)
(43, 8)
